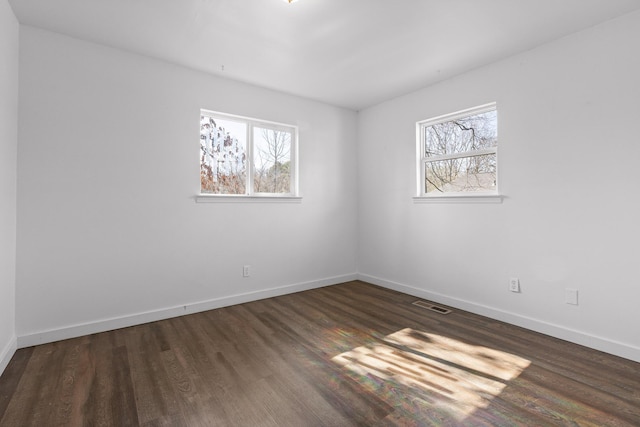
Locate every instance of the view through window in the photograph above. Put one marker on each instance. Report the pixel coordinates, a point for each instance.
(459, 152)
(241, 156)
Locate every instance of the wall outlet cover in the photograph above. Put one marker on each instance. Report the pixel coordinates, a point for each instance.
(571, 296)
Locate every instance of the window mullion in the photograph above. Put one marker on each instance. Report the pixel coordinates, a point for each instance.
(249, 160)
(422, 165)
(293, 164)
(473, 153)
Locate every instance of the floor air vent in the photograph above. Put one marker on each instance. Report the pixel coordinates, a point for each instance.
(432, 307)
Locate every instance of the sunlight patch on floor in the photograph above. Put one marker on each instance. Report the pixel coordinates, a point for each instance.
(435, 372)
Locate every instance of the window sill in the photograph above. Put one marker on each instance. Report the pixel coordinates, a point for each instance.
(460, 198)
(240, 198)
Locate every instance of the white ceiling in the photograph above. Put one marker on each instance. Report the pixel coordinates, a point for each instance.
(351, 53)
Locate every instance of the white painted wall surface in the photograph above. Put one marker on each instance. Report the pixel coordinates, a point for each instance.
(568, 158)
(8, 152)
(109, 232)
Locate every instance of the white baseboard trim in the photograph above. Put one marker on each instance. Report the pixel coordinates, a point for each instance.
(7, 353)
(557, 331)
(79, 330)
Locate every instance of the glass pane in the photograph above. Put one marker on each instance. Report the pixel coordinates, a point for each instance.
(223, 145)
(464, 175)
(474, 132)
(271, 160)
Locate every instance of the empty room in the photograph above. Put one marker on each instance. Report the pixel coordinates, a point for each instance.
(319, 213)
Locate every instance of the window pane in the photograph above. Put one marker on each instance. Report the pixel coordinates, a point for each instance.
(271, 160)
(474, 132)
(465, 174)
(223, 156)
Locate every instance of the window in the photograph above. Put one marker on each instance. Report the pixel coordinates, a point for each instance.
(246, 157)
(458, 153)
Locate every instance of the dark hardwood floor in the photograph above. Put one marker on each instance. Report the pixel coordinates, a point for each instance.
(350, 354)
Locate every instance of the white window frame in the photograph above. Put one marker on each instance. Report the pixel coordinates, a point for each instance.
(480, 196)
(250, 194)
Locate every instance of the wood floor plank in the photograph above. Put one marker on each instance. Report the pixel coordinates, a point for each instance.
(292, 379)
(11, 377)
(339, 390)
(36, 402)
(123, 403)
(352, 354)
(155, 400)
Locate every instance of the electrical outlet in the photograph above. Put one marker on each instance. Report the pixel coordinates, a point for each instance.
(571, 296)
(514, 284)
(246, 271)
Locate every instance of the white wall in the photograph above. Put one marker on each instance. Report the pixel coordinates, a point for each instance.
(107, 173)
(8, 150)
(569, 149)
